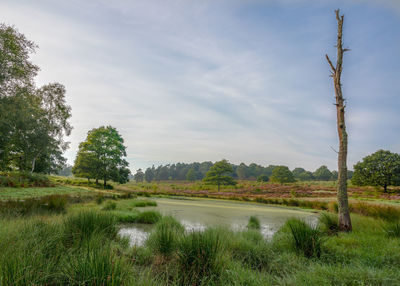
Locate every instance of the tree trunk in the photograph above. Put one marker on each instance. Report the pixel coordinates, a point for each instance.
(97, 181)
(105, 183)
(385, 188)
(343, 204)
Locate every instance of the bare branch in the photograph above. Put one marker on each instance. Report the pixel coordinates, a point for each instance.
(334, 150)
(330, 63)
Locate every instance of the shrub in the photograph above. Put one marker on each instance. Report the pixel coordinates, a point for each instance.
(48, 204)
(165, 236)
(329, 223)
(110, 206)
(254, 223)
(200, 257)
(23, 179)
(305, 238)
(392, 229)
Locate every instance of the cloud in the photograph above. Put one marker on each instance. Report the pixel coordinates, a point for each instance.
(195, 81)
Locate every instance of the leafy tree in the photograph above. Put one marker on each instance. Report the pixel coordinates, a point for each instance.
(16, 70)
(220, 174)
(33, 121)
(191, 175)
(282, 174)
(302, 174)
(139, 176)
(262, 178)
(149, 174)
(323, 174)
(381, 168)
(242, 171)
(102, 155)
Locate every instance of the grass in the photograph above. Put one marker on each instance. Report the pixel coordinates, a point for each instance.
(329, 223)
(140, 204)
(392, 229)
(306, 239)
(110, 205)
(254, 223)
(24, 193)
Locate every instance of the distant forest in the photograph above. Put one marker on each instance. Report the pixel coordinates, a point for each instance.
(197, 171)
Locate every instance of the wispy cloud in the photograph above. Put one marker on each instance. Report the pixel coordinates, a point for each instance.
(205, 80)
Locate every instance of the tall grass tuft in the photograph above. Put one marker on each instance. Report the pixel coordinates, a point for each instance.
(148, 217)
(254, 223)
(306, 238)
(141, 204)
(200, 257)
(165, 237)
(392, 229)
(329, 223)
(83, 225)
(95, 263)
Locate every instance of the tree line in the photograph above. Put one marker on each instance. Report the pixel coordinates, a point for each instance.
(197, 171)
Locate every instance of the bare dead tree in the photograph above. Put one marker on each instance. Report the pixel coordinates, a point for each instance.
(343, 203)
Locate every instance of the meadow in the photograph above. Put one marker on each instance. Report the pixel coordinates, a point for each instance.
(71, 238)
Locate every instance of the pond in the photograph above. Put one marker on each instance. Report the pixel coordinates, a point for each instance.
(197, 214)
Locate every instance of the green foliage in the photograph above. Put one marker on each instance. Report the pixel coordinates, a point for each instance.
(282, 174)
(329, 223)
(101, 156)
(262, 178)
(302, 175)
(254, 223)
(199, 257)
(165, 236)
(141, 204)
(323, 174)
(381, 168)
(110, 205)
(23, 179)
(220, 174)
(81, 227)
(305, 238)
(148, 217)
(392, 229)
(139, 176)
(30, 206)
(191, 175)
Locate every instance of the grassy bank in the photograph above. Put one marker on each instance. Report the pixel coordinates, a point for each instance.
(83, 248)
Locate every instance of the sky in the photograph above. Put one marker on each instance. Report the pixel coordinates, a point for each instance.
(186, 81)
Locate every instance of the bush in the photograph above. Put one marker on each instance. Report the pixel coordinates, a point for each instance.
(99, 199)
(110, 206)
(305, 238)
(200, 257)
(329, 223)
(23, 179)
(165, 236)
(254, 223)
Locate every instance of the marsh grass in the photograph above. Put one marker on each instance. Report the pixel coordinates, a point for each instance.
(47, 204)
(139, 204)
(329, 223)
(392, 229)
(148, 217)
(166, 235)
(306, 239)
(254, 223)
(200, 258)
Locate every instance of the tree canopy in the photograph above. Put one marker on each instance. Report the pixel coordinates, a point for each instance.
(220, 174)
(33, 120)
(282, 174)
(381, 168)
(101, 156)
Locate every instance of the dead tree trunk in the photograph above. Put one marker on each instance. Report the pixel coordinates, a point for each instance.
(343, 203)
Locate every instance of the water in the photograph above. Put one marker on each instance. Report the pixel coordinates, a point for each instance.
(197, 214)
